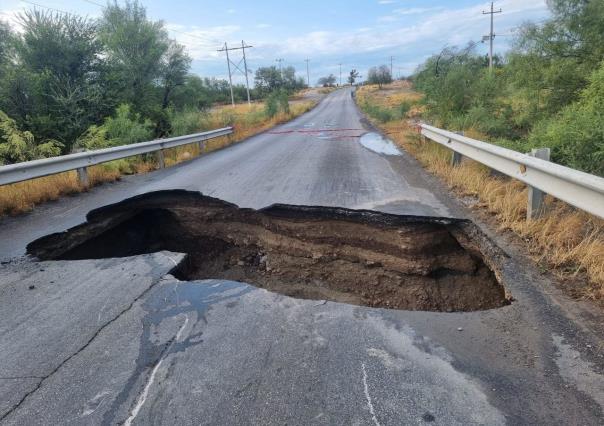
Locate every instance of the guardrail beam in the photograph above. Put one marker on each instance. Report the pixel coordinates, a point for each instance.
(579, 189)
(19, 172)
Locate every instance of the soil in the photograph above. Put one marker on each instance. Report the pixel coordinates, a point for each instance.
(357, 257)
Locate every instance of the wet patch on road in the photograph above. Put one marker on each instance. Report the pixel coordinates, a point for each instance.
(353, 256)
(183, 304)
(377, 143)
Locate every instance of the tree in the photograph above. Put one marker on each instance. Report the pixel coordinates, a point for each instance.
(7, 42)
(354, 74)
(289, 80)
(379, 75)
(174, 70)
(546, 92)
(328, 81)
(268, 79)
(135, 48)
(7, 66)
(53, 89)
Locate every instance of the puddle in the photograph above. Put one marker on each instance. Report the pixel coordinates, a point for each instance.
(353, 256)
(376, 143)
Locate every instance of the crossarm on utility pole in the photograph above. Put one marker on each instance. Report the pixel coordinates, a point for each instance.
(491, 35)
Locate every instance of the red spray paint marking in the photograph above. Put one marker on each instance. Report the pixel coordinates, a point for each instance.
(284, 132)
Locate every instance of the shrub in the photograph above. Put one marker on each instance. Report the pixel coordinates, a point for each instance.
(381, 114)
(185, 122)
(127, 128)
(277, 101)
(123, 129)
(576, 134)
(17, 145)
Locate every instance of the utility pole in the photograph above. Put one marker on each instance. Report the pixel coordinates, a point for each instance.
(340, 64)
(391, 72)
(280, 69)
(247, 81)
(307, 72)
(491, 35)
(236, 65)
(226, 49)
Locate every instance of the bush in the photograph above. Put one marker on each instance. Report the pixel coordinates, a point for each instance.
(576, 134)
(185, 122)
(277, 101)
(405, 107)
(123, 129)
(381, 114)
(17, 146)
(126, 128)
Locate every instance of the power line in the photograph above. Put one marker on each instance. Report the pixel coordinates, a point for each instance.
(95, 3)
(210, 40)
(491, 35)
(49, 8)
(236, 65)
(206, 39)
(391, 60)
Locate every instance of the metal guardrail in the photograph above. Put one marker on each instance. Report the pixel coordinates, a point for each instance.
(579, 189)
(79, 161)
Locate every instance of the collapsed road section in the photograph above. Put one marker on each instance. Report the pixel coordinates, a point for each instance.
(353, 256)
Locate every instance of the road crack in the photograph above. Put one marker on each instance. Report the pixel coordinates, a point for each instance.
(43, 379)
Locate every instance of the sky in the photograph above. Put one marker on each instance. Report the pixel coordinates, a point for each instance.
(357, 34)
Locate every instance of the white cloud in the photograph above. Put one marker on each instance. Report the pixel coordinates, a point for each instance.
(386, 1)
(387, 18)
(263, 26)
(415, 10)
(444, 26)
(202, 44)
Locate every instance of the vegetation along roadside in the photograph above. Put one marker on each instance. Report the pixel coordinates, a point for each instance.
(568, 241)
(69, 83)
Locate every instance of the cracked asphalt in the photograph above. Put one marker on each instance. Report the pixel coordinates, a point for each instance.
(121, 341)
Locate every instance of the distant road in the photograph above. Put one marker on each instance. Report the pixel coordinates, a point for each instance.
(116, 341)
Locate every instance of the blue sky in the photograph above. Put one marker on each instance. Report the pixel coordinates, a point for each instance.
(358, 34)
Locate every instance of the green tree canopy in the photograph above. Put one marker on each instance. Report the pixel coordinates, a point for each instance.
(379, 75)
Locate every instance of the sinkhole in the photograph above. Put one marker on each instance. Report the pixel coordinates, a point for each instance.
(353, 256)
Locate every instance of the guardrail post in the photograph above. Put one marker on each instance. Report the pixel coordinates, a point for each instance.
(83, 176)
(160, 159)
(201, 146)
(456, 157)
(536, 196)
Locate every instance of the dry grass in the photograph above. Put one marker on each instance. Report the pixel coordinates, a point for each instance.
(246, 120)
(565, 240)
(23, 196)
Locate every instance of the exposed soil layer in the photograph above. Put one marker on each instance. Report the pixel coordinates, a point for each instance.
(352, 256)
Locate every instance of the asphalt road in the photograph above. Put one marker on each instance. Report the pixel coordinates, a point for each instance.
(118, 341)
